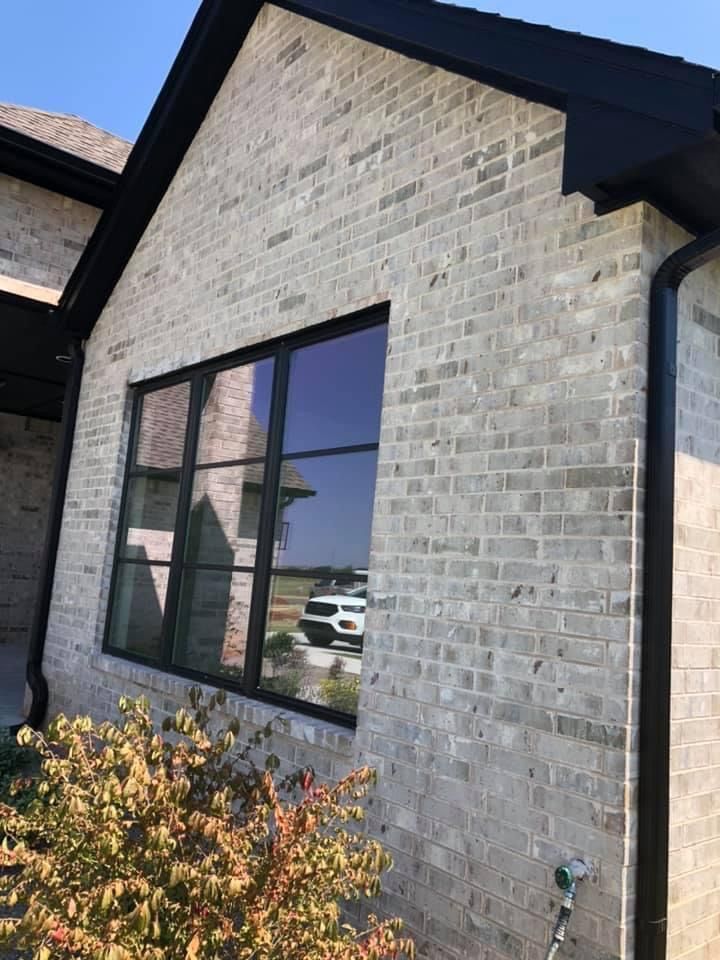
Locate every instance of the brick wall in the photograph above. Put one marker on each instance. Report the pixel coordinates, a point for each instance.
(694, 899)
(42, 234)
(41, 237)
(27, 456)
(500, 653)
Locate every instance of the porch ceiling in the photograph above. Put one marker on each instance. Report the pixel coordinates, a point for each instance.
(32, 380)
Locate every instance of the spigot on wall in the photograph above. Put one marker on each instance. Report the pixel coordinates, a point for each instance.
(566, 877)
(569, 873)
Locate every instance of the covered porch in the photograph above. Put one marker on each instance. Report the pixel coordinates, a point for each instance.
(33, 376)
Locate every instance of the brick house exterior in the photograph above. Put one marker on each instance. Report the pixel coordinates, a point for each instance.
(501, 669)
(44, 226)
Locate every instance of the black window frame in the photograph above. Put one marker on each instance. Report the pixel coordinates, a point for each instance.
(280, 350)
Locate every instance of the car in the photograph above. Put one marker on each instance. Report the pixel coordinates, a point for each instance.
(335, 616)
(326, 587)
(336, 587)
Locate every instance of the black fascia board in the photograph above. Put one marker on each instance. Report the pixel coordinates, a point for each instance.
(539, 63)
(46, 166)
(216, 35)
(18, 302)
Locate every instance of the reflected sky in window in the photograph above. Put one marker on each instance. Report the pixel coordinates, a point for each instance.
(331, 528)
(335, 392)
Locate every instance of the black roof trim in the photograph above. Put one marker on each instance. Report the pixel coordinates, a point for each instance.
(539, 63)
(212, 43)
(33, 382)
(18, 302)
(46, 166)
(639, 109)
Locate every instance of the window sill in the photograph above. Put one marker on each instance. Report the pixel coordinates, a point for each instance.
(319, 733)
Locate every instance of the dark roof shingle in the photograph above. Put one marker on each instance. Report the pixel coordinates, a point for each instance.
(68, 133)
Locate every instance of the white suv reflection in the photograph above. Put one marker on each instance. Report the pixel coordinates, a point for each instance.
(335, 617)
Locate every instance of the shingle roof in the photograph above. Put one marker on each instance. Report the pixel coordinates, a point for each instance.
(68, 133)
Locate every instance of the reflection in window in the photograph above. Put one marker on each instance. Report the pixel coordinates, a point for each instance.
(150, 512)
(255, 529)
(161, 437)
(335, 392)
(212, 630)
(330, 527)
(224, 515)
(313, 641)
(236, 413)
(138, 607)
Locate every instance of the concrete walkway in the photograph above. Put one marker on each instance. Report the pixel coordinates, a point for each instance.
(13, 657)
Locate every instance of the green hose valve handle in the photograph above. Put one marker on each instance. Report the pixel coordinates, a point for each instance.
(568, 873)
(564, 877)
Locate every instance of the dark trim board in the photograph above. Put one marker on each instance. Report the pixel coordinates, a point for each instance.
(540, 63)
(19, 302)
(630, 112)
(36, 162)
(32, 382)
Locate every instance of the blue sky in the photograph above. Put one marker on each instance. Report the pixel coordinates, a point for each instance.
(106, 59)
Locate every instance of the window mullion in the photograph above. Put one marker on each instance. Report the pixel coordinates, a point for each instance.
(181, 520)
(117, 550)
(266, 530)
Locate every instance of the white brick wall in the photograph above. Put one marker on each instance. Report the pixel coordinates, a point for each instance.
(27, 454)
(500, 658)
(42, 233)
(41, 237)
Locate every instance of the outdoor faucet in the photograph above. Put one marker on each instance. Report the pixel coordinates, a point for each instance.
(566, 877)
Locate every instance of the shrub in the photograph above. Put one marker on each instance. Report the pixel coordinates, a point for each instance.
(142, 846)
(288, 665)
(339, 691)
(16, 784)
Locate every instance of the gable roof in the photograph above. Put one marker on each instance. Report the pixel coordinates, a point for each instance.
(61, 152)
(640, 125)
(68, 133)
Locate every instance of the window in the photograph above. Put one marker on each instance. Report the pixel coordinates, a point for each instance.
(244, 535)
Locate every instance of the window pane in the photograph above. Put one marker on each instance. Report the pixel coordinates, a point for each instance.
(161, 438)
(325, 512)
(313, 642)
(150, 513)
(211, 633)
(224, 515)
(236, 413)
(335, 392)
(138, 606)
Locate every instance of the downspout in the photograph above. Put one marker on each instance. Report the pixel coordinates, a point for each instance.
(654, 745)
(35, 677)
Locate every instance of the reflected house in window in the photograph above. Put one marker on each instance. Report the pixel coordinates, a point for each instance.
(223, 519)
(238, 511)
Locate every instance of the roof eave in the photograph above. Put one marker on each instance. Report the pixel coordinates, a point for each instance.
(537, 63)
(46, 166)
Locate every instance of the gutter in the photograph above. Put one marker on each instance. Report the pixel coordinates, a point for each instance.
(35, 677)
(656, 643)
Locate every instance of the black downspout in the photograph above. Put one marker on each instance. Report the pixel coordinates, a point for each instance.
(654, 746)
(35, 677)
